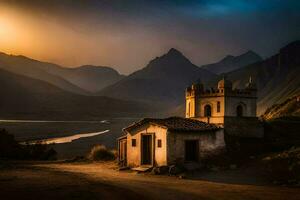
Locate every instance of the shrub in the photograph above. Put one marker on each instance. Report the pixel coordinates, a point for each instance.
(11, 149)
(40, 152)
(284, 167)
(100, 152)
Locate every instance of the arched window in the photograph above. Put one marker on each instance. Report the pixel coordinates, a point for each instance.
(218, 106)
(207, 111)
(239, 111)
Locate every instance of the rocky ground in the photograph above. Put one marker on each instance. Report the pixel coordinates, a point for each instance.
(59, 180)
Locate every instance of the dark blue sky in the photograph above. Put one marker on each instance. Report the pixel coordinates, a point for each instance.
(127, 34)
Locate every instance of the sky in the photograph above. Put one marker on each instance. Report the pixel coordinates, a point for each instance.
(127, 34)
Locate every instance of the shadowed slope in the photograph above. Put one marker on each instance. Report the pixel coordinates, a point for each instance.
(23, 97)
(163, 80)
(78, 80)
(277, 77)
(230, 63)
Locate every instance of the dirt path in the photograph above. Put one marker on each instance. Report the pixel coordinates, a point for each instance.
(102, 181)
(32, 183)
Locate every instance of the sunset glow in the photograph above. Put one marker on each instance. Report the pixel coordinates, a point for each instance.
(107, 33)
(7, 31)
(16, 35)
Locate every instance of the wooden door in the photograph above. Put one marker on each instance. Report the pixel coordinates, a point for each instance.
(146, 150)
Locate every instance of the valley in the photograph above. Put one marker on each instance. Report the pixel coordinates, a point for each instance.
(35, 130)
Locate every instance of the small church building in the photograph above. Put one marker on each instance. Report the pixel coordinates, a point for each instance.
(210, 115)
(233, 109)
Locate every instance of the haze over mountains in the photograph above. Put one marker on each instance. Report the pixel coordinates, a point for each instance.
(49, 89)
(34, 69)
(26, 98)
(81, 80)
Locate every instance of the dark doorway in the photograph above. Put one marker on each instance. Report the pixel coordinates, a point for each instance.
(239, 111)
(207, 111)
(147, 150)
(123, 152)
(191, 150)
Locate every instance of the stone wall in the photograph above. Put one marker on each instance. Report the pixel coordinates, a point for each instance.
(249, 127)
(248, 104)
(210, 143)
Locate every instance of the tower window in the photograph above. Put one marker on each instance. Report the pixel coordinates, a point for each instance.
(218, 106)
(207, 111)
(239, 111)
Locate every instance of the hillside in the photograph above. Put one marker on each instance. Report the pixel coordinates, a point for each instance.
(32, 68)
(89, 77)
(230, 63)
(163, 80)
(288, 109)
(277, 77)
(77, 80)
(27, 98)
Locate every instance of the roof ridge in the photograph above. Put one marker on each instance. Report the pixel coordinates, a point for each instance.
(176, 123)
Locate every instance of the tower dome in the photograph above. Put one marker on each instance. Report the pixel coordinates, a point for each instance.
(224, 83)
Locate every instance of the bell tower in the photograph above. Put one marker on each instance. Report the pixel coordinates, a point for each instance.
(192, 95)
(226, 106)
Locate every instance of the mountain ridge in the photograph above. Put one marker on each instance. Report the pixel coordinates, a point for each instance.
(230, 62)
(276, 77)
(163, 79)
(27, 98)
(82, 80)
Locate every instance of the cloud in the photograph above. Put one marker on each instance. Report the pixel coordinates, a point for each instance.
(127, 34)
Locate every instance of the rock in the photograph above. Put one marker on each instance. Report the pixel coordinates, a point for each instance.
(275, 182)
(182, 176)
(163, 169)
(292, 182)
(192, 166)
(214, 168)
(160, 170)
(232, 167)
(174, 170)
(123, 168)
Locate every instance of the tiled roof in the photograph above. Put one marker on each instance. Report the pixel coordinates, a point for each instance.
(176, 124)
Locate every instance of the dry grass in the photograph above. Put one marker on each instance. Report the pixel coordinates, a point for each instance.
(100, 152)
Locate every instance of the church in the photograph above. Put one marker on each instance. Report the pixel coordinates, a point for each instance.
(210, 115)
(233, 109)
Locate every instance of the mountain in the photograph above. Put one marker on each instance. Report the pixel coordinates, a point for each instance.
(163, 80)
(33, 69)
(289, 108)
(26, 98)
(230, 63)
(88, 77)
(277, 77)
(80, 80)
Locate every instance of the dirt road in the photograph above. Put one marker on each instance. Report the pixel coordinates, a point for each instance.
(102, 181)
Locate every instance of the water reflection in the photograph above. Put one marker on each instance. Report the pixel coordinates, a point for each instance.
(66, 139)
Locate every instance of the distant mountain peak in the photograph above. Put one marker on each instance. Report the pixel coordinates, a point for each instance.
(174, 51)
(227, 58)
(251, 53)
(230, 62)
(172, 58)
